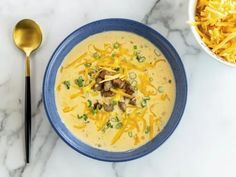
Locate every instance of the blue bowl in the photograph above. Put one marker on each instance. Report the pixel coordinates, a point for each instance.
(113, 25)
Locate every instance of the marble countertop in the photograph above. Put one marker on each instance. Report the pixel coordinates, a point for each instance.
(204, 143)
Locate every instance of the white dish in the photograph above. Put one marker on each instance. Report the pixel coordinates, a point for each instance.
(191, 11)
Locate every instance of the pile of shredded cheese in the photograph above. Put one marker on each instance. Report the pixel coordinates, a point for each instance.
(215, 22)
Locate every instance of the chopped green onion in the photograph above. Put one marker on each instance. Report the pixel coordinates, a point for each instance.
(87, 64)
(140, 58)
(89, 103)
(117, 69)
(116, 45)
(67, 84)
(109, 125)
(130, 134)
(136, 53)
(114, 102)
(84, 116)
(134, 83)
(119, 125)
(79, 117)
(93, 110)
(132, 75)
(113, 55)
(96, 55)
(147, 130)
(143, 103)
(91, 73)
(115, 119)
(99, 145)
(135, 47)
(160, 89)
(79, 81)
(169, 81)
(104, 129)
(157, 53)
(146, 98)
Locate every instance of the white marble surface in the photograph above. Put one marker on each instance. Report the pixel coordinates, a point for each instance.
(203, 145)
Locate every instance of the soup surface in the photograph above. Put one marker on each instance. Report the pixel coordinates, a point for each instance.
(115, 91)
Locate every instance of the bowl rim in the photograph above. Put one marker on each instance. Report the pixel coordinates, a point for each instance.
(114, 24)
(191, 14)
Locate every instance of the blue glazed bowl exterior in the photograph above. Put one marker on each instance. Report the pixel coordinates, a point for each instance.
(113, 25)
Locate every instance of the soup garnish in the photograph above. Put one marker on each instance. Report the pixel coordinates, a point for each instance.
(115, 90)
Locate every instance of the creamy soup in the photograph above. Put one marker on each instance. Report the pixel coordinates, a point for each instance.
(115, 91)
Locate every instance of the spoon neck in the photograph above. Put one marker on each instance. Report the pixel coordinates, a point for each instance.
(27, 66)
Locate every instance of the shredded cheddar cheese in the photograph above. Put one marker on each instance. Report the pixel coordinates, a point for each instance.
(215, 21)
(121, 93)
(76, 61)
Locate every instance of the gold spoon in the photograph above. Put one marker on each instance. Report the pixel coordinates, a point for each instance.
(27, 37)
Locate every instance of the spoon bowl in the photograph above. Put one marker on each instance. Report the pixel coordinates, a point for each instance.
(27, 36)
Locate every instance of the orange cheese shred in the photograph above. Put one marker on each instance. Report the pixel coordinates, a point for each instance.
(215, 23)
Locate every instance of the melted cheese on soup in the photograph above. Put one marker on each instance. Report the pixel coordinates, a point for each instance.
(115, 91)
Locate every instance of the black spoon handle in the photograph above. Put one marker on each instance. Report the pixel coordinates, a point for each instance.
(27, 112)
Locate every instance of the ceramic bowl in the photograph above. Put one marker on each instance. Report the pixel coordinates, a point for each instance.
(191, 12)
(98, 27)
